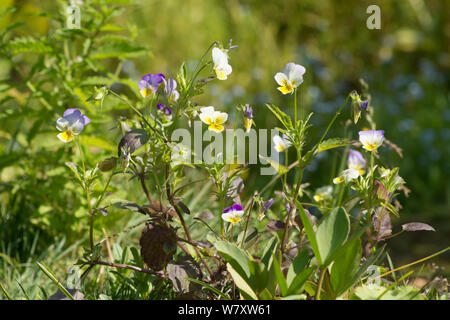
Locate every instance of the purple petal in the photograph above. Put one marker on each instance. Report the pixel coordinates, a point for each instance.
(237, 207)
(73, 112)
(85, 119)
(248, 112)
(160, 106)
(156, 79)
(364, 104)
(229, 209)
(269, 203)
(143, 84)
(167, 111)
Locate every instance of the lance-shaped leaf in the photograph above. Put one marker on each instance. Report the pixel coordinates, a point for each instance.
(283, 117)
(333, 143)
(332, 233)
(132, 141)
(417, 226)
(277, 166)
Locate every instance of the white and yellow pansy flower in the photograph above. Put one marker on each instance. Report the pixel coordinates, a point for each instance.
(290, 78)
(214, 119)
(71, 124)
(281, 144)
(371, 139)
(221, 66)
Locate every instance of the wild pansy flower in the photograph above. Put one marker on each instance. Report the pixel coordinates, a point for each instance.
(150, 83)
(347, 176)
(163, 108)
(221, 66)
(323, 193)
(170, 87)
(371, 139)
(71, 124)
(356, 161)
(281, 143)
(213, 118)
(233, 214)
(262, 210)
(358, 105)
(290, 78)
(248, 118)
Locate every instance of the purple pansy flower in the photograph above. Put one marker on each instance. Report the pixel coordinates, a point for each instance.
(150, 83)
(233, 214)
(170, 87)
(163, 108)
(363, 104)
(71, 124)
(356, 161)
(248, 118)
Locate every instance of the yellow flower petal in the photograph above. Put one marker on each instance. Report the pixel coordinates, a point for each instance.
(146, 92)
(65, 136)
(286, 89)
(216, 127)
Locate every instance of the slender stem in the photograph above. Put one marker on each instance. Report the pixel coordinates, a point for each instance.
(371, 179)
(140, 115)
(144, 187)
(91, 219)
(333, 120)
(248, 218)
(295, 107)
(292, 209)
(183, 223)
(413, 263)
(125, 266)
(80, 150)
(319, 286)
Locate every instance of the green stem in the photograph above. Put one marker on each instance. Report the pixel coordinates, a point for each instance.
(248, 218)
(295, 107)
(371, 178)
(319, 286)
(333, 120)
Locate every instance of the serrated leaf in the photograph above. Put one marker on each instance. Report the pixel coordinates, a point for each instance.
(283, 117)
(27, 44)
(277, 166)
(118, 50)
(332, 143)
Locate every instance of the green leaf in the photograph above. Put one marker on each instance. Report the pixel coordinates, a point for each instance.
(245, 289)
(333, 143)
(332, 233)
(298, 265)
(27, 44)
(281, 281)
(345, 267)
(235, 256)
(299, 281)
(283, 117)
(310, 233)
(277, 166)
(216, 291)
(52, 277)
(373, 291)
(267, 255)
(96, 142)
(118, 50)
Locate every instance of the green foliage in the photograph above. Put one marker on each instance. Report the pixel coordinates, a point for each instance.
(120, 172)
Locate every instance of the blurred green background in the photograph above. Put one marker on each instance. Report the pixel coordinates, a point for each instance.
(406, 65)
